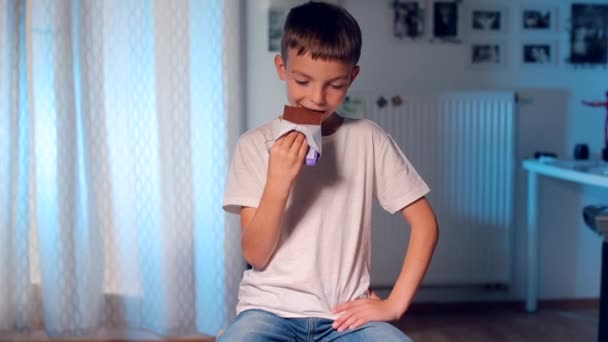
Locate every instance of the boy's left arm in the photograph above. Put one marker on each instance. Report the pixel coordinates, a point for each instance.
(423, 239)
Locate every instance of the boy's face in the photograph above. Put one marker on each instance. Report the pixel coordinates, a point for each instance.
(316, 84)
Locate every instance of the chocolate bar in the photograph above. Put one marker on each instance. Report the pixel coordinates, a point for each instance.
(302, 116)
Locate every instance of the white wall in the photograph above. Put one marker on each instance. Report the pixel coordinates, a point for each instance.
(553, 119)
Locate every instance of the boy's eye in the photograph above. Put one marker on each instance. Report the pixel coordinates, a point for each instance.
(338, 86)
(300, 82)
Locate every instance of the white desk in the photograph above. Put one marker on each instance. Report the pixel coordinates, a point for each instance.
(582, 172)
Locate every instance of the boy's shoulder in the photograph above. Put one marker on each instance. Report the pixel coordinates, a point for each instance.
(259, 134)
(364, 125)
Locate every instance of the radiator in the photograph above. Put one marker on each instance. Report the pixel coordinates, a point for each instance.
(463, 145)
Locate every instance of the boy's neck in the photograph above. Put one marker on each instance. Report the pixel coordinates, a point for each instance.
(331, 124)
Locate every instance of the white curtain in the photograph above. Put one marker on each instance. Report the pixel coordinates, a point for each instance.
(116, 123)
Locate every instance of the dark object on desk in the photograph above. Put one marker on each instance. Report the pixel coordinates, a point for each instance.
(539, 154)
(581, 152)
(596, 217)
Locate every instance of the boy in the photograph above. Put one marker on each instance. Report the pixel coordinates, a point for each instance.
(307, 230)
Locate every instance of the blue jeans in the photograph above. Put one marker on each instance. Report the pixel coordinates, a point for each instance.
(262, 326)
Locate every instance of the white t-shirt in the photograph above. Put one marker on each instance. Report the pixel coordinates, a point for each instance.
(324, 252)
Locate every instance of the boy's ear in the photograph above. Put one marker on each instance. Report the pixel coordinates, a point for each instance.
(354, 73)
(279, 63)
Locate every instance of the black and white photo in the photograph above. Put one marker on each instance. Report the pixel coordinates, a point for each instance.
(487, 19)
(589, 34)
(539, 53)
(487, 54)
(538, 18)
(408, 19)
(276, 20)
(445, 19)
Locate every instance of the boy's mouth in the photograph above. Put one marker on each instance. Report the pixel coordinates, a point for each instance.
(305, 105)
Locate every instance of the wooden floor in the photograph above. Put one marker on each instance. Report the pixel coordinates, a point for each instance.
(495, 324)
(503, 325)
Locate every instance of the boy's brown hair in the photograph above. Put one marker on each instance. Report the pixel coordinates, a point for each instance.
(324, 30)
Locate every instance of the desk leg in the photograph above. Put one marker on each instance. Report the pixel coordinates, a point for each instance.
(603, 325)
(532, 267)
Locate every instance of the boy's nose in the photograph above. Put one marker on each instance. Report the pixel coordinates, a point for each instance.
(318, 96)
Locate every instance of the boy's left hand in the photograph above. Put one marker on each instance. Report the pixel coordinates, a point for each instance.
(360, 311)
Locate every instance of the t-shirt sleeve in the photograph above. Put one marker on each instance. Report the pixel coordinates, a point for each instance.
(245, 181)
(397, 184)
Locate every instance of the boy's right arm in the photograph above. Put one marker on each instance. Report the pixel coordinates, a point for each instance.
(262, 225)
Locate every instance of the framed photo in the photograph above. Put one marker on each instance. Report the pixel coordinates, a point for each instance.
(487, 18)
(276, 20)
(408, 19)
(588, 39)
(539, 53)
(487, 55)
(538, 18)
(446, 20)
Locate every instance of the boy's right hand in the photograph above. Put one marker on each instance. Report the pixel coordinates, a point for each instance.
(287, 156)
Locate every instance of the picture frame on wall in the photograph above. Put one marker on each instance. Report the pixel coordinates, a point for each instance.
(408, 19)
(487, 55)
(276, 20)
(535, 18)
(588, 39)
(539, 53)
(445, 20)
(487, 18)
